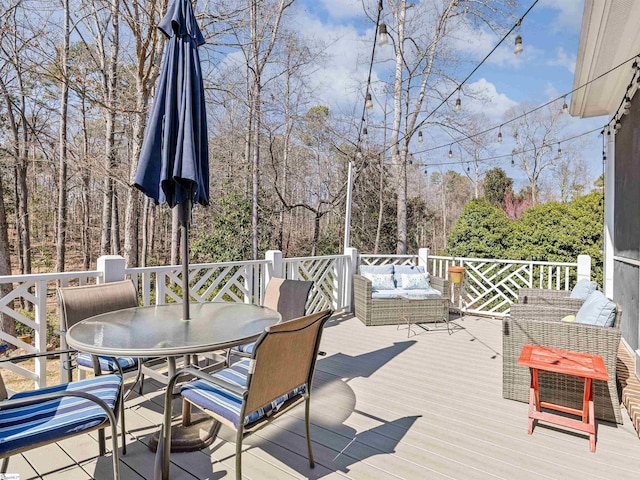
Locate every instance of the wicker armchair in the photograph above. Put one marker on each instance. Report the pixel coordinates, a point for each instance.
(542, 325)
(389, 311)
(541, 296)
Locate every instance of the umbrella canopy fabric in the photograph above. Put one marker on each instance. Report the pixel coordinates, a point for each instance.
(174, 162)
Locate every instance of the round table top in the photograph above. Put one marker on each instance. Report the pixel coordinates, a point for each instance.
(159, 331)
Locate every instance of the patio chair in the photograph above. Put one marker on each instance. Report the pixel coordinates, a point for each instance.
(79, 303)
(288, 298)
(31, 419)
(542, 325)
(252, 392)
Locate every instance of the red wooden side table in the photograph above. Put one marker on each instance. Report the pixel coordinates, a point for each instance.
(581, 365)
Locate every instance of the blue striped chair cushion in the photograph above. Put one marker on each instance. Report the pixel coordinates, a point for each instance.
(225, 403)
(248, 348)
(107, 364)
(48, 420)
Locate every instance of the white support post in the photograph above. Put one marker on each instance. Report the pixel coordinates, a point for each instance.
(609, 216)
(584, 267)
(351, 266)
(274, 269)
(112, 268)
(423, 258)
(41, 332)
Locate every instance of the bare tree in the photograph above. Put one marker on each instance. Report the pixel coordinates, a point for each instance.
(536, 139)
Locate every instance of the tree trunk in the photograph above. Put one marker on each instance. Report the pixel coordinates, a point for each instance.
(61, 234)
(7, 324)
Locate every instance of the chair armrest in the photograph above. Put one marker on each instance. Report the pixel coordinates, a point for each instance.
(579, 337)
(530, 295)
(546, 313)
(208, 378)
(361, 283)
(441, 285)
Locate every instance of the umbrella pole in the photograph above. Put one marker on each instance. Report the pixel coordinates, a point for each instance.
(183, 219)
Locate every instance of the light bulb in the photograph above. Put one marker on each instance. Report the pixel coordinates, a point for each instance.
(518, 46)
(565, 107)
(512, 161)
(420, 137)
(456, 109)
(450, 153)
(617, 125)
(383, 37)
(499, 136)
(626, 105)
(368, 102)
(559, 150)
(634, 65)
(365, 133)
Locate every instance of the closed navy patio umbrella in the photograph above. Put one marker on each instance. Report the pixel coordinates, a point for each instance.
(174, 163)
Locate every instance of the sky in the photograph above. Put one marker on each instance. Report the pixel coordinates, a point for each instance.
(550, 32)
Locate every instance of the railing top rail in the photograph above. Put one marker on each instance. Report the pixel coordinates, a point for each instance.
(49, 276)
(167, 268)
(377, 255)
(531, 262)
(323, 257)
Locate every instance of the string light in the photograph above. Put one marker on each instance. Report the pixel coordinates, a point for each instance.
(468, 169)
(617, 125)
(634, 65)
(458, 105)
(500, 134)
(559, 150)
(368, 101)
(383, 37)
(450, 151)
(365, 133)
(420, 137)
(565, 107)
(512, 161)
(626, 105)
(518, 44)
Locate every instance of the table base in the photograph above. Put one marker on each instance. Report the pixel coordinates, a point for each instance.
(200, 434)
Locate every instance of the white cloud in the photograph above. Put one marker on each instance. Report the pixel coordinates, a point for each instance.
(563, 59)
(343, 9)
(569, 13)
(339, 81)
(487, 100)
(476, 43)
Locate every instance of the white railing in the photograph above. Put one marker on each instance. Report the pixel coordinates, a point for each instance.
(489, 288)
(330, 278)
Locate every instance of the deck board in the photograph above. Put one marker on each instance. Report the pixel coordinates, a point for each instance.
(384, 406)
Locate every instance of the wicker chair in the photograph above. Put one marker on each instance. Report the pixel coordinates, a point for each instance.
(542, 325)
(389, 311)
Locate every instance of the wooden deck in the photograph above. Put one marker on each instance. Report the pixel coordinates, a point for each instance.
(384, 407)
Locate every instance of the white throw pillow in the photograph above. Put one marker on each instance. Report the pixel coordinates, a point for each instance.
(380, 281)
(414, 281)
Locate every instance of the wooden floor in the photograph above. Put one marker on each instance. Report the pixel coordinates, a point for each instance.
(384, 407)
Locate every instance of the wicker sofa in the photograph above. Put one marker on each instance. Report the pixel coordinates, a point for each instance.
(391, 311)
(541, 324)
(548, 298)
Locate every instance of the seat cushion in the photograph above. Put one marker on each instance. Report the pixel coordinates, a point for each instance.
(48, 420)
(407, 269)
(583, 288)
(107, 364)
(226, 403)
(247, 348)
(376, 269)
(398, 292)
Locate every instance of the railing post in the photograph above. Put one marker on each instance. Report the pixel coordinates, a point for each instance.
(351, 265)
(584, 267)
(112, 268)
(423, 258)
(41, 332)
(274, 269)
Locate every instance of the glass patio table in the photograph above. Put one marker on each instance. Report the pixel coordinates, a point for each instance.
(159, 331)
